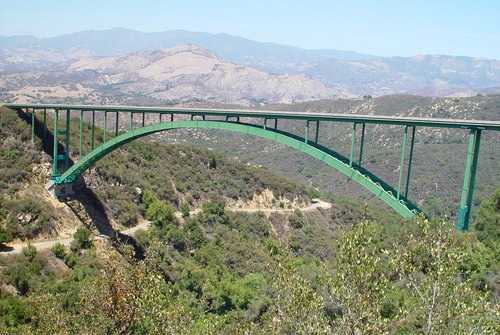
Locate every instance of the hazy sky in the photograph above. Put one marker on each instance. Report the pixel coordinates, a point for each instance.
(387, 28)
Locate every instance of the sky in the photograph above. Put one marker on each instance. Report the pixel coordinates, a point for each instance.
(378, 27)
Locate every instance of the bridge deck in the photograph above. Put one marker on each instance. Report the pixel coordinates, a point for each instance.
(313, 116)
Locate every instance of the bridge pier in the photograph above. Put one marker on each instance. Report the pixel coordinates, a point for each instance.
(58, 191)
(469, 179)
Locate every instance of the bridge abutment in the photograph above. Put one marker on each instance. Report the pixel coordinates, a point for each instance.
(61, 190)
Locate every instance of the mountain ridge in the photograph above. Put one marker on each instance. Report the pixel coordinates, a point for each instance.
(179, 74)
(432, 75)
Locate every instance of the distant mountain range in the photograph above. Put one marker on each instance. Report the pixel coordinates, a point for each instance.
(166, 76)
(247, 71)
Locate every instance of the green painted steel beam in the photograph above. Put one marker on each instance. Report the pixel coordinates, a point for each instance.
(353, 142)
(32, 126)
(402, 163)
(131, 121)
(349, 118)
(105, 127)
(66, 146)
(465, 188)
(116, 123)
(44, 125)
(93, 130)
(472, 182)
(410, 161)
(362, 144)
(317, 132)
(328, 156)
(306, 138)
(81, 136)
(56, 143)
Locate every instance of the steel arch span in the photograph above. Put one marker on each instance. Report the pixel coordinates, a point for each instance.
(355, 172)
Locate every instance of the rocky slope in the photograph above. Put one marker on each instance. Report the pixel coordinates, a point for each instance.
(111, 193)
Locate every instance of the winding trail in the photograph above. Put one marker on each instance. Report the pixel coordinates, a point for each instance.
(16, 248)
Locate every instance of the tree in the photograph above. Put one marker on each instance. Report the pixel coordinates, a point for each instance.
(81, 240)
(358, 285)
(296, 219)
(5, 236)
(147, 198)
(297, 308)
(488, 221)
(29, 251)
(185, 210)
(429, 263)
(58, 251)
(161, 214)
(213, 212)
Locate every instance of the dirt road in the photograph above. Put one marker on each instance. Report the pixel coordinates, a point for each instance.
(17, 247)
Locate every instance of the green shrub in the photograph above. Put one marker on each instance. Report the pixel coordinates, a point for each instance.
(142, 238)
(29, 251)
(81, 240)
(70, 260)
(296, 219)
(13, 312)
(488, 221)
(185, 210)
(58, 251)
(313, 193)
(5, 236)
(160, 214)
(213, 212)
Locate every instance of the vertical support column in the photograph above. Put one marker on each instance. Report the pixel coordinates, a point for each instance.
(56, 143)
(66, 146)
(402, 164)
(410, 160)
(81, 131)
(116, 123)
(105, 127)
(143, 118)
(317, 132)
(469, 179)
(306, 138)
(131, 121)
(477, 144)
(32, 125)
(93, 130)
(353, 141)
(172, 117)
(362, 144)
(276, 124)
(161, 114)
(265, 124)
(44, 124)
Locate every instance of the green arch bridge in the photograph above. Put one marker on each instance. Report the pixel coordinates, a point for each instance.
(264, 124)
